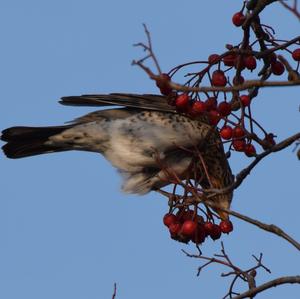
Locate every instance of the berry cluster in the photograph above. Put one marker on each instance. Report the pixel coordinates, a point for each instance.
(186, 225)
(236, 124)
(228, 73)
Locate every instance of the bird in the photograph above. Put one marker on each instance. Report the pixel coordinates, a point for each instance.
(141, 135)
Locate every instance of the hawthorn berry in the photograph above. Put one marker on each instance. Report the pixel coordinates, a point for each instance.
(245, 100)
(174, 228)
(214, 117)
(213, 58)
(238, 19)
(238, 132)
(187, 215)
(182, 102)
(229, 59)
(188, 228)
(208, 227)
(224, 108)
(239, 63)
(277, 68)
(226, 226)
(215, 232)
(226, 132)
(218, 78)
(250, 150)
(211, 103)
(198, 108)
(250, 62)
(163, 84)
(238, 80)
(296, 54)
(169, 219)
(239, 145)
(199, 235)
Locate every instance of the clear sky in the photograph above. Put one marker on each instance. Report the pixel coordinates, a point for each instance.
(66, 231)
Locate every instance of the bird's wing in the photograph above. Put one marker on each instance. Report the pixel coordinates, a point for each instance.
(144, 101)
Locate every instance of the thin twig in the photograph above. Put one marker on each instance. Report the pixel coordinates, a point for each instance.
(115, 291)
(292, 9)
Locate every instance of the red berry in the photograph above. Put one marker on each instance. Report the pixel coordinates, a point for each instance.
(215, 232)
(213, 58)
(187, 215)
(238, 19)
(238, 132)
(208, 227)
(250, 150)
(218, 78)
(296, 54)
(188, 228)
(239, 145)
(277, 68)
(250, 62)
(169, 219)
(238, 80)
(226, 226)
(224, 108)
(226, 132)
(245, 100)
(174, 228)
(214, 117)
(182, 102)
(199, 235)
(229, 59)
(163, 84)
(211, 103)
(198, 108)
(239, 61)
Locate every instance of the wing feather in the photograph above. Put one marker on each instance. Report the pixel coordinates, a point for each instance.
(144, 101)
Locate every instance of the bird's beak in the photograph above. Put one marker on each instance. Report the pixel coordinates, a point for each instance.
(222, 214)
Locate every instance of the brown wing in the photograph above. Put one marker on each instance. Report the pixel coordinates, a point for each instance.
(144, 101)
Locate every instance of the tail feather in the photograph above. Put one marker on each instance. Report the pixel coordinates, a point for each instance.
(29, 141)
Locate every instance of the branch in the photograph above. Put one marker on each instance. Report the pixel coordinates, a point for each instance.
(115, 291)
(273, 283)
(276, 148)
(292, 9)
(236, 272)
(246, 85)
(267, 227)
(246, 171)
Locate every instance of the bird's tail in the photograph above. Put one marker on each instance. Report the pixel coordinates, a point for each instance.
(29, 141)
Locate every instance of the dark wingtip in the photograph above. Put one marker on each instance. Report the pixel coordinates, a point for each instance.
(10, 133)
(81, 101)
(8, 151)
(3, 136)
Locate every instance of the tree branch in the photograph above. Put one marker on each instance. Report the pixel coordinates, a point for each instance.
(246, 171)
(268, 285)
(267, 227)
(292, 9)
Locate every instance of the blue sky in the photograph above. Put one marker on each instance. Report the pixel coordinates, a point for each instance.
(66, 231)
